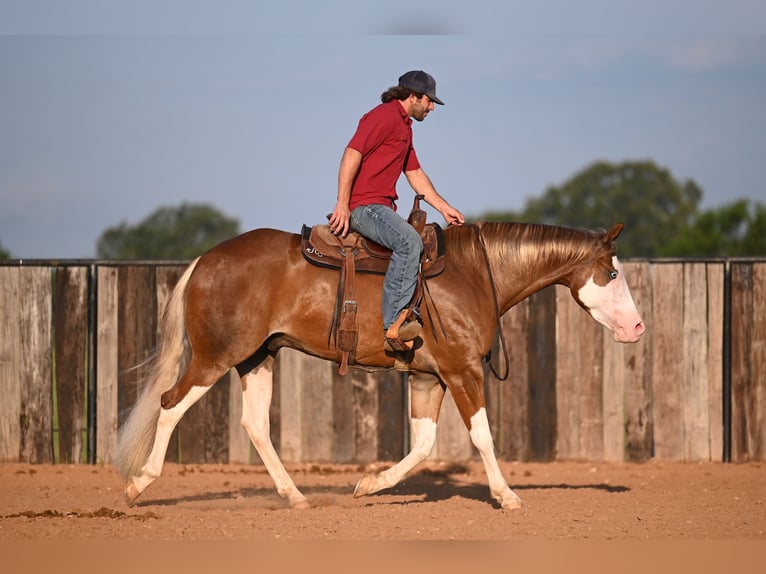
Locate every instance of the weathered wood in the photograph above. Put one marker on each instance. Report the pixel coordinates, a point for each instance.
(365, 412)
(757, 414)
(742, 386)
(667, 361)
(70, 321)
(748, 393)
(10, 364)
(453, 443)
(35, 290)
(240, 446)
(342, 417)
(391, 416)
(317, 382)
(695, 379)
(137, 323)
(507, 401)
(289, 374)
(579, 364)
(614, 404)
(107, 369)
(636, 373)
(541, 351)
(715, 304)
(203, 436)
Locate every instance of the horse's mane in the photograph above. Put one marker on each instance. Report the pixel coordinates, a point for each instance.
(523, 243)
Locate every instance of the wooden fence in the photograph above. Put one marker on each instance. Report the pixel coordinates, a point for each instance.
(694, 387)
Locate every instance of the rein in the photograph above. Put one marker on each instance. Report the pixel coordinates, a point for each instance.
(503, 344)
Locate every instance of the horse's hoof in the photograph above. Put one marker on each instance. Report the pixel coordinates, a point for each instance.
(365, 486)
(512, 504)
(131, 493)
(300, 504)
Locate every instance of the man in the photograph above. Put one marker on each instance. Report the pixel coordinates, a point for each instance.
(380, 150)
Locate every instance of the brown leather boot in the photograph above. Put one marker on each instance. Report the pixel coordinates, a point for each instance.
(401, 340)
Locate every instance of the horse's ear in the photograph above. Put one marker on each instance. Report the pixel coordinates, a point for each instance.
(614, 232)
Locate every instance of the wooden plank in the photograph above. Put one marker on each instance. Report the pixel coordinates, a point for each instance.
(453, 442)
(541, 352)
(10, 364)
(579, 374)
(667, 361)
(741, 373)
(391, 417)
(35, 292)
(288, 373)
(317, 436)
(614, 427)
(695, 375)
(107, 370)
(365, 415)
(715, 304)
(637, 372)
(568, 367)
(757, 416)
(137, 321)
(342, 417)
(70, 322)
(240, 447)
(507, 401)
(203, 433)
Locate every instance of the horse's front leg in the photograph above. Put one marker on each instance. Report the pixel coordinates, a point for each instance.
(468, 392)
(426, 395)
(256, 399)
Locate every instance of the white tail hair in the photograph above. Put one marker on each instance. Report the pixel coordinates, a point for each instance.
(136, 436)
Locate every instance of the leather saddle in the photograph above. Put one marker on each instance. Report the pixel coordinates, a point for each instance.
(353, 253)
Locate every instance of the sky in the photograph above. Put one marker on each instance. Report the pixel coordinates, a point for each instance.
(110, 110)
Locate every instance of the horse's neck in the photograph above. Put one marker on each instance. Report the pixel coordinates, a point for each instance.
(526, 258)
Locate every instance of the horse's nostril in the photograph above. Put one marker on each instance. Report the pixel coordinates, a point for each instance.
(640, 328)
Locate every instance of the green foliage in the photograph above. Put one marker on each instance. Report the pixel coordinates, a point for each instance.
(180, 233)
(660, 214)
(4, 254)
(736, 229)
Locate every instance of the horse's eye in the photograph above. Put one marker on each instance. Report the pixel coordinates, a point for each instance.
(613, 274)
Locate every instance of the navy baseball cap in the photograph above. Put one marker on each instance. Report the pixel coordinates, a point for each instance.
(420, 82)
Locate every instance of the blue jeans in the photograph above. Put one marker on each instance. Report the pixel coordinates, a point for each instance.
(383, 225)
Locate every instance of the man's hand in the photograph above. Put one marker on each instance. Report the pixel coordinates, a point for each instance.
(339, 220)
(452, 216)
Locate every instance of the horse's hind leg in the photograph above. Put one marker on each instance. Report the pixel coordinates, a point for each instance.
(167, 421)
(426, 395)
(256, 399)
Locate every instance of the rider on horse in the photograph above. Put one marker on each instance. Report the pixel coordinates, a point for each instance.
(380, 150)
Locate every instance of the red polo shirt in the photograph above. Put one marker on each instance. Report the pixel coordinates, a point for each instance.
(384, 138)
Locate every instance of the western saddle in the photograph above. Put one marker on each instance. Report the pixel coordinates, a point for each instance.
(355, 253)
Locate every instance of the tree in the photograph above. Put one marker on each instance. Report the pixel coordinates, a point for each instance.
(652, 204)
(3, 253)
(182, 232)
(733, 230)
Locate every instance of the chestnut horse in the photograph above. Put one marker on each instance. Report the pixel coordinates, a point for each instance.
(240, 302)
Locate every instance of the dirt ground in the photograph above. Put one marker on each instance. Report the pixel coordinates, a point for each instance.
(202, 504)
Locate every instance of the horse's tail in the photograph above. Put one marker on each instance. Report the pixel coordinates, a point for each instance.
(136, 437)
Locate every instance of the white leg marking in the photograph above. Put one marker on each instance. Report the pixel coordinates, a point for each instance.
(256, 399)
(167, 422)
(424, 433)
(482, 440)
